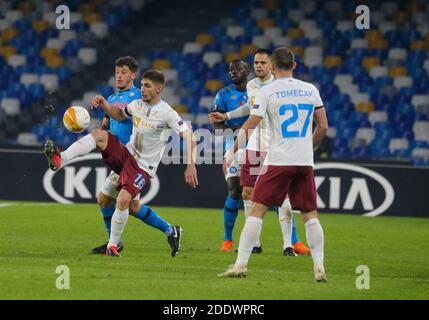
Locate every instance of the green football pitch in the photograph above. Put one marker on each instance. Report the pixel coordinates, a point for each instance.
(38, 237)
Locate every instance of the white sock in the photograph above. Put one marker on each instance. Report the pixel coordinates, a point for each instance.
(79, 148)
(247, 207)
(248, 238)
(285, 220)
(315, 240)
(119, 220)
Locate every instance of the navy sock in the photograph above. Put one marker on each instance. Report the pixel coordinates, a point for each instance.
(150, 217)
(107, 216)
(230, 213)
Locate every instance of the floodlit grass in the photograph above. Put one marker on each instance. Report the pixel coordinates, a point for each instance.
(36, 238)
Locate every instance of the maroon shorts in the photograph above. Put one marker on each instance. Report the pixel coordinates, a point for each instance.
(250, 170)
(272, 187)
(131, 177)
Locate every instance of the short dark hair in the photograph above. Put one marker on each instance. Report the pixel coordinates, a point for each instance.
(154, 75)
(283, 58)
(128, 61)
(238, 61)
(262, 51)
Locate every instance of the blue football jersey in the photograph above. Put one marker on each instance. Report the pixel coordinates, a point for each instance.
(228, 99)
(120, 99)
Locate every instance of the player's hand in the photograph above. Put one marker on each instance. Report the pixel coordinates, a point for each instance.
(191, 176)
(98, 100)
(217, 117)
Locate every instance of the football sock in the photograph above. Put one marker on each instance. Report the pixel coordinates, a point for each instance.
(230, 213)
(150, 217)
(249, 236)
(247, 207)
(107, 213)
(79, 148)
(295, 238)
(247, 204)
(315, 240)
(119, 220)
(285, 220)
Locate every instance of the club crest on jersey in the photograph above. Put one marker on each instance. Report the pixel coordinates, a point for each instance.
(251, 100)
(233, 170)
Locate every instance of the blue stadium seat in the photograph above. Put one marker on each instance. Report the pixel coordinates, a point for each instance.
(80, 26)
(420, 144)
(24, 69)
(63, 73)
(25, 98)
(14, 89)
(112, 20)
(22, 25)
(42, 69)
(380, 53)
(36, 90)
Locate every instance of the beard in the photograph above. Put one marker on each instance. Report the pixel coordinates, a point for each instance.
(238, 80)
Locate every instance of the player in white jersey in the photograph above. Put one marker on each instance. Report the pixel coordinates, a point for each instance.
(135, 163)
(256, 150)
(290, 106)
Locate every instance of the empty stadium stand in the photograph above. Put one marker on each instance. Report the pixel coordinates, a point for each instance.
(374, 83)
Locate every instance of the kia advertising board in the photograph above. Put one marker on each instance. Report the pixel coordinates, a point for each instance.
(364, 189)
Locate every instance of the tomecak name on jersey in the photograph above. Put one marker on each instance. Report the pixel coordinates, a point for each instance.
(122, 129)
(229, 99)
(288, 104)
(150, 132)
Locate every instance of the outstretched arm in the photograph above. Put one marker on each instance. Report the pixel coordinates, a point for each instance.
(191, 172)
(115, 113)
(243, 135)
(243, 111)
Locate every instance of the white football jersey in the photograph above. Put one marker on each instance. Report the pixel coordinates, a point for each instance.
(288, 105)
(259, 139)
(151, 126)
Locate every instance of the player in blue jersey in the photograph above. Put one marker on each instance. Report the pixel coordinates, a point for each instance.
(228, 99)
(125, 74)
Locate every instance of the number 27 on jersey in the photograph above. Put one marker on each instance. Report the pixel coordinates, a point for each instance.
(287, 132)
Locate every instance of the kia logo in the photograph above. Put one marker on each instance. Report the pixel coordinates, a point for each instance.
(74, 181)
(343, 191)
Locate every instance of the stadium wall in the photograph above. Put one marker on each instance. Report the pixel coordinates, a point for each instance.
(365, 189)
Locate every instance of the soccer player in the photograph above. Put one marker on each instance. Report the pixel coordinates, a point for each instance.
(125, 74)
(137, 162)
(255, 153)
(290, 106)
(227, 99)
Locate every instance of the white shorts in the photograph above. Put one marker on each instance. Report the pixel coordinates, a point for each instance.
(234, 169)
(110, 185)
